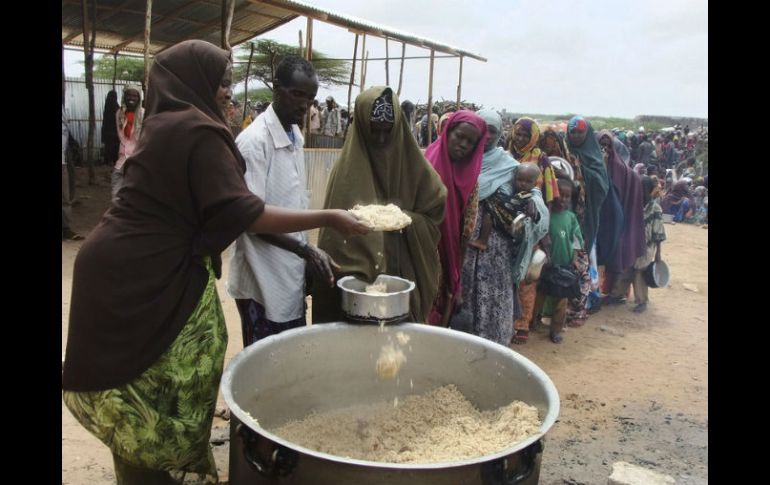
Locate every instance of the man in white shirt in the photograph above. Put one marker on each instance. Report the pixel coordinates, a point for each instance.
(315, 118)
(267, 272)
(330, 118)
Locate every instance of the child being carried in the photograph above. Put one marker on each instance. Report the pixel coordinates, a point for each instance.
(507, 210)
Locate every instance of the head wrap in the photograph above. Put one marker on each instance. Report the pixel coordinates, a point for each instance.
(577, 123)
(497, 165)
(382, 110)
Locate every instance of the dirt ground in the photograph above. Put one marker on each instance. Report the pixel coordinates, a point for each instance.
(633, 387)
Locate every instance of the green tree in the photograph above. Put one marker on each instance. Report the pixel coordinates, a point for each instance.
(269, 53)
(129, 68)
(261, 94)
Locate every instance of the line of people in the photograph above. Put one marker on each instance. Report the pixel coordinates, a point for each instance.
(146, 340)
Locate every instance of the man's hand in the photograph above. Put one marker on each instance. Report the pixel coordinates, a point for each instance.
(322, 265)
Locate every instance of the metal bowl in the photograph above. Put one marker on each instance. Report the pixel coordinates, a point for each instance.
(360, 305)
(657, 275)
(563, 165)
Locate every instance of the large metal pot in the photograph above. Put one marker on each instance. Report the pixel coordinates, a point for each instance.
(329, 366)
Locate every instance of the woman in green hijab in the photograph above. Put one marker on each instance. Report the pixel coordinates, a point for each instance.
(381, 163)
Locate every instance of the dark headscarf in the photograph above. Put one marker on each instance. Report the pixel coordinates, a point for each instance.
(382, 110)
(594, 174)
(557, 150)
(110, 128)
(398, 174)
(141, 272)
(622, 150)
(629, 189)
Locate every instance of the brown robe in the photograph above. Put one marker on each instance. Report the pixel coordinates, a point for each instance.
(140, 273)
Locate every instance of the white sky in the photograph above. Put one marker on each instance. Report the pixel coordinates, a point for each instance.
(593, 57)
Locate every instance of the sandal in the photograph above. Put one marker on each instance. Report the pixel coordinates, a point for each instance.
(521, 337)
(556, 337)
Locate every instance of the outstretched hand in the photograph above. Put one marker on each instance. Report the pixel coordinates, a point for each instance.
(346, 223)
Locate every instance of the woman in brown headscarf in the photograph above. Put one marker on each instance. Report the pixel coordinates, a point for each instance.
(552, 144)
(523, 146)
(381, 163)
(147, 337)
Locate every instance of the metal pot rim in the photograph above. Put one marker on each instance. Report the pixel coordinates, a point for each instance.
(548, 420)
(410, 286)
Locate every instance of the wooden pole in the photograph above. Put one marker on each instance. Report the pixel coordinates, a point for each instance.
(363, 66)
(309, 48)
(301, 49)
(246, 84)
(309, 57)
(228, 9)
(460, 83)
(89, 39)
(430, 100)
(364, 71)
(401, 73)
(114, 69)
(387, 64)
(352, 72)
(222, 26)
(147, 24)
(63, 79)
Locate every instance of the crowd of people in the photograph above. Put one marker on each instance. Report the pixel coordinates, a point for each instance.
(509, 225)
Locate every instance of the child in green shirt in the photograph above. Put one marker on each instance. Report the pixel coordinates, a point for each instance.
(563, 236)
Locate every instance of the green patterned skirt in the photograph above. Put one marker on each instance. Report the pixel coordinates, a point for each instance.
(162, 419)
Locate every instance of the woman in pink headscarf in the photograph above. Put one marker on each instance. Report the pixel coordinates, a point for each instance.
(456, 155)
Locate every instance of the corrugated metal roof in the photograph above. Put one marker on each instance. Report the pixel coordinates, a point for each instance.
(120, 23)
(364, 26)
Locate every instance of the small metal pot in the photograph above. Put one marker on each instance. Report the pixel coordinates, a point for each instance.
(657, 275)
(358, 304)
